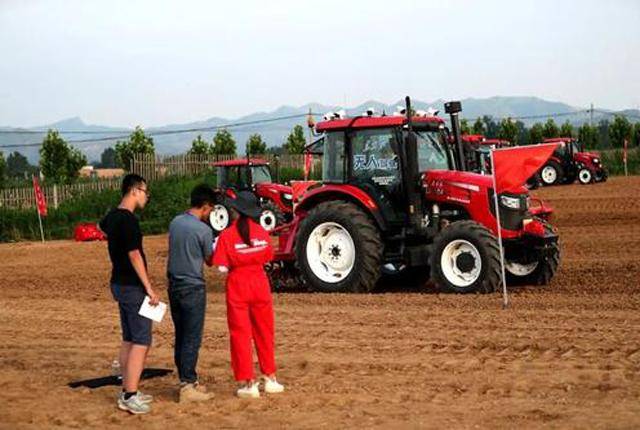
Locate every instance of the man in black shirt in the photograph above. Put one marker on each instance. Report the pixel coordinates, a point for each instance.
(129, 285)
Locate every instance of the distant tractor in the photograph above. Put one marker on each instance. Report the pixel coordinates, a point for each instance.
(570, 162)
(252, 174)
(395, 198)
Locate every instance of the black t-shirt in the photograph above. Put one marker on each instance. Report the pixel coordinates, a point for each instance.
(124, 235)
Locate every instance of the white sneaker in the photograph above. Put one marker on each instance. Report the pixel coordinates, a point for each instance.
(134, 405)
(249, 391)
(272, 386)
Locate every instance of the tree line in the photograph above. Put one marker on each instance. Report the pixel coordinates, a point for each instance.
(60, 162)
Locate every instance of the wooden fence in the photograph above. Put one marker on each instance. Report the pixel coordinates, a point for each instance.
(153, 167)
(23, 198)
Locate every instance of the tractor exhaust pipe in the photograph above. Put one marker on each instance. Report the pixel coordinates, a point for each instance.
(411, 174)
(453, 108)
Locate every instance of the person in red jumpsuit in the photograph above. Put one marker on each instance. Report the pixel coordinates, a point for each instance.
(242, 250)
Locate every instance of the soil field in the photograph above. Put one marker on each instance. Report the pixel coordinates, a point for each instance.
(562, 356)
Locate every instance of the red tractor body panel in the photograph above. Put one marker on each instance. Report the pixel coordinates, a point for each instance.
(274, 192)
(240, 162)
(374, 122)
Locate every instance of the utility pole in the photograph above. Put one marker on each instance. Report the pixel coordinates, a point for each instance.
(591, 116)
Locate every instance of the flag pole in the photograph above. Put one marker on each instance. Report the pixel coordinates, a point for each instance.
(505, 297)
(38, 209)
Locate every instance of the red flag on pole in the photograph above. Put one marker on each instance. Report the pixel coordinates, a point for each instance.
(41, 203)
(513, 166)
(308, 159)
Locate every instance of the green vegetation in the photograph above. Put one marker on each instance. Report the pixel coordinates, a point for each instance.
(60, 162)
(138, 143)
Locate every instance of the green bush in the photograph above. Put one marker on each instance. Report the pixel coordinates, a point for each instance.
(168, 198)
(612, 161)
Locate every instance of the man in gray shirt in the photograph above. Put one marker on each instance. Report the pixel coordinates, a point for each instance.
(190, 247)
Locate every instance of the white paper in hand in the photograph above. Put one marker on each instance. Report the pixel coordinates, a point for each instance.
(155, 313)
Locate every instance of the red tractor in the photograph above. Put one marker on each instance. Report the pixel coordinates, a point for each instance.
(254, 175)
(569, 162)
(396, 199)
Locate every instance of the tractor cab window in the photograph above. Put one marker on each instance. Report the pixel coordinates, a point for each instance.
(374, 157)
(432, 153)
(260, 174)
(333, 159)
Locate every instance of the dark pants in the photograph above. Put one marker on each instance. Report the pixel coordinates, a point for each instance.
(188, 305)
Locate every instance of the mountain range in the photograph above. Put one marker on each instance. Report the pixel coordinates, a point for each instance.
(274, 131)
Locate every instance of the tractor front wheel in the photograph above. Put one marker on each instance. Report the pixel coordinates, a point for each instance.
(338, 249)
(466, 259)
(585, 176)
(535, 273)
(271, 216)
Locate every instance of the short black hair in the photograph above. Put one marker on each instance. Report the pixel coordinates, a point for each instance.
(130, 182)
(203, 194)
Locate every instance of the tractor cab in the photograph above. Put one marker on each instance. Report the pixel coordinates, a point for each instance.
(242, 174)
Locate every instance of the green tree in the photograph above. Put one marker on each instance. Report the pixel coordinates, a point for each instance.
(508, 130)
(636, 134)
(295, 141)
(60, 162)
(276, 150)
(18, 166)
(478, 127)
(536, 133)
(464, 127)
(3, 169)
(255, 145)
(223, 143)
(550, 129)
(588, 135)
(491, 127)
(566, 130)
(109, 158)
(603, 134)
(619, 130)
(137, 143)
(199, 146)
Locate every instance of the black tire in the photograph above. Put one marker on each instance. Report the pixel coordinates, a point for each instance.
(368, 247)
(559, 173)
(486, 245)
(544, 272)
(585, 176)
(270, 205)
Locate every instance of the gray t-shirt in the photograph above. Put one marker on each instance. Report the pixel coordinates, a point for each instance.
(190, 245)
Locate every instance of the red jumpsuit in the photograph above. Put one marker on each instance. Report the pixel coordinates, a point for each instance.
(249, 303)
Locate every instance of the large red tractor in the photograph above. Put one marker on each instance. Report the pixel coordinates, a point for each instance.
(252, 174)
(570, 162)
(395, 198)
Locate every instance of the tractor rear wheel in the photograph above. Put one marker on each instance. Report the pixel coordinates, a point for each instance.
(271, 216)
(338, 249)
(551, 173)
(536, 273)
(466, 259)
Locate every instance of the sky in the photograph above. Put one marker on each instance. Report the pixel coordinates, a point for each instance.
(123, 63)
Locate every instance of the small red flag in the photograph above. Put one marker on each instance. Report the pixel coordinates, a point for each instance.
(513, 166)
(308, 159)
(41, 203)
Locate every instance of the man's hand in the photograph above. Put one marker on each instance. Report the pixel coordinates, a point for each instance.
(154, 299)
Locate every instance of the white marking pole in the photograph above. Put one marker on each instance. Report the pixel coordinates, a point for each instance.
(505, 297)
(40, 220)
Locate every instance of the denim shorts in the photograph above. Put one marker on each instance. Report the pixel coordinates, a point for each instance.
(135, 328)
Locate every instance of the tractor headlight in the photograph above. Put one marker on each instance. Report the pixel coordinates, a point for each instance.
(596, 161)
(287, 196)
(510, 202)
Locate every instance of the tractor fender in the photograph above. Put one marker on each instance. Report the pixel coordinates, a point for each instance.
(347, 193)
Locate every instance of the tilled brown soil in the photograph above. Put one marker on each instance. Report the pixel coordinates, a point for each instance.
(563, 356)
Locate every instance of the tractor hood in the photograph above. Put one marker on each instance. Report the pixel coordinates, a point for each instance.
(273, 187)
(463, 180)
(586, 156)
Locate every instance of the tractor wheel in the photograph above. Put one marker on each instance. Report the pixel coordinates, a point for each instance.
(338, 249)
(585, 176)
(551, 173)
(271, 216)
(536, 273)
(466, 259)
(219, 218)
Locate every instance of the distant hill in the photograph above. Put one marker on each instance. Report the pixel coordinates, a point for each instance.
(274, 133)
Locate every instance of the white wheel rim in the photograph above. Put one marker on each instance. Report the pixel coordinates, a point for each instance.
(518, 269)
(549, 175)
(268, 220)
(585, 176)
(451, 258)
(331, 252)
(219, 218)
